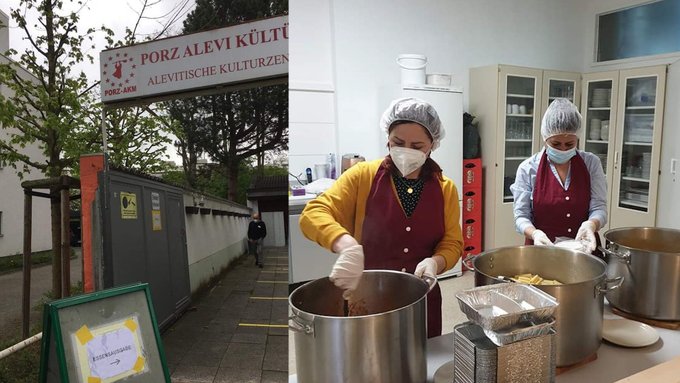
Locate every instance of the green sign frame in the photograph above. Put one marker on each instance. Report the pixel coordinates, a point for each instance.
(101, 313)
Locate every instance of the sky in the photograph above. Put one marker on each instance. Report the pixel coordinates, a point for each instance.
(115, 15)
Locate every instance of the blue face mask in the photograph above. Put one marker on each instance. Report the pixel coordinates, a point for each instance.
(559, 156)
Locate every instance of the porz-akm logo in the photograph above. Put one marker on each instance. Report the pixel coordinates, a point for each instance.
(118, 73)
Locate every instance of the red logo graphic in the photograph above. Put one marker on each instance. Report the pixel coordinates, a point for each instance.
(123, 71)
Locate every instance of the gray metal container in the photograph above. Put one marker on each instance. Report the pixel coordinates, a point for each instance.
(385, 342)
(649, 260)
(578, 318)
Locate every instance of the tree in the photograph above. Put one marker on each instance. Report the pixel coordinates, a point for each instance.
(53, 108)
(234, 126)
(44, 105)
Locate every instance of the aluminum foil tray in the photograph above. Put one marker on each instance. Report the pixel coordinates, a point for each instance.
(501, 306)
(520, 331)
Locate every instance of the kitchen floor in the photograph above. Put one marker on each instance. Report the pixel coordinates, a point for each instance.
(451, 314)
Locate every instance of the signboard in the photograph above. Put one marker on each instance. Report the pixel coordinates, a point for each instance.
(246, 52)
(155, 220)
(103, 337)
(128, 205)
(155, 201)
(109, 353)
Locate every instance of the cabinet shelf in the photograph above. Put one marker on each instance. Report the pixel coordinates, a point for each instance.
(640, 107)
(636, 143)
(515, 158)
(597, 142)
(629, 202)
(518, 139)
(507, 198)
(635, 179)
(517, 95)
(600, 108)
(519, 115)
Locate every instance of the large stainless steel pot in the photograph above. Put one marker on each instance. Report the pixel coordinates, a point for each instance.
(649, 260)
(578, 318)
(386, 343)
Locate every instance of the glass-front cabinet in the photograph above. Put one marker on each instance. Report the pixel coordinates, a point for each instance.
(622, 121)
(600, 91)
(558, 84)
(638, 146)
(521, 101)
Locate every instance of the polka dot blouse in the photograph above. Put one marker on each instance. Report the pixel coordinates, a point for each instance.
(409, 191)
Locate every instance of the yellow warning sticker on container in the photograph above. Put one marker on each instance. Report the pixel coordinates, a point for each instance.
(110, 353)
(128, 205)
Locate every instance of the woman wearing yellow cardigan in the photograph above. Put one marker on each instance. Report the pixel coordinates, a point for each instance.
(394, 213)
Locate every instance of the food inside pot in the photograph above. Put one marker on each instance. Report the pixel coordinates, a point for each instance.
(534, 279)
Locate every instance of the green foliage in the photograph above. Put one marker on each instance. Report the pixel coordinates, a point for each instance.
(212, 180)
(16, 262)
(234, 127)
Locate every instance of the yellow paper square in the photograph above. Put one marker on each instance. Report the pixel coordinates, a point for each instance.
(84, 335)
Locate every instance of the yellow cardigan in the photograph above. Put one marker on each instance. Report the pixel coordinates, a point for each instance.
(341, 210)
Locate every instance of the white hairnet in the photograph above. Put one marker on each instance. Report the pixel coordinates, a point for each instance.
(414, 110)
(562, 117)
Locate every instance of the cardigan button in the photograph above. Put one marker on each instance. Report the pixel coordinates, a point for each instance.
(568, 215)
(569, 230)
(406, 250)
(567, 198)
(408, 228)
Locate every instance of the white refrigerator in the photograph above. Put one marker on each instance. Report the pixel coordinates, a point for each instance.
(448, 102)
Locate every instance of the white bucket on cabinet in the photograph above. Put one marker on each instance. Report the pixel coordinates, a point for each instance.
(412, 69)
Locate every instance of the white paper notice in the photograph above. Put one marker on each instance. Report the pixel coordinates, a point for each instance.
(112, 353)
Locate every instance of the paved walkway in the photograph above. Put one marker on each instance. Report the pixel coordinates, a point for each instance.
(11, 285)
(238, 331)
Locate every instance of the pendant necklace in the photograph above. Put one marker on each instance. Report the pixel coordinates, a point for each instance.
(409, 187)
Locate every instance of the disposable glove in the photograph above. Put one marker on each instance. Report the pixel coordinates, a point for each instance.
(347, 269)
(540, 238)
(427, 266)
(586, 234)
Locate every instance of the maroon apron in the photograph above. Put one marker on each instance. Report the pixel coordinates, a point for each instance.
(393, 241)
(559, 212)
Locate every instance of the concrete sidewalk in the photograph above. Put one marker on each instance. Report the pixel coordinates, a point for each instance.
(238, 332)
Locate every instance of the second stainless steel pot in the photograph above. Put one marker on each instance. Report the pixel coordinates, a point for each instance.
(649, 260)
(578, 318)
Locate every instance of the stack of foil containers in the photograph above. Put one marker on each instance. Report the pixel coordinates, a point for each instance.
(509, 338)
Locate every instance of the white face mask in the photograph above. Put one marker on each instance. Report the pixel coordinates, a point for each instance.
(407, 160)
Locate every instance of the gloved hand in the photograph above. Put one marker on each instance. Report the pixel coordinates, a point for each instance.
(540, 238)
(347, 269)
(427, 266)
(586, 234)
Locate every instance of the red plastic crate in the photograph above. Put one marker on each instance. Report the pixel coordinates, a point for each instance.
(472, 173)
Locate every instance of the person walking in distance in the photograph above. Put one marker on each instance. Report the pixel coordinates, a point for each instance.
(257, 230)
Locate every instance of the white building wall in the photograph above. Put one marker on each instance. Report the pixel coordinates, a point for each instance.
(12, 195)
(454, 35)
(312, 119)
(213, 242)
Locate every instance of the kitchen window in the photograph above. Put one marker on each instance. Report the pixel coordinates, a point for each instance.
(643, 30)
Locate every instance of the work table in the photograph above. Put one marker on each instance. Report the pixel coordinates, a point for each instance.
(612, 364)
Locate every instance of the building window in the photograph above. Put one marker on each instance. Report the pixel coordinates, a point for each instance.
(643, 30)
